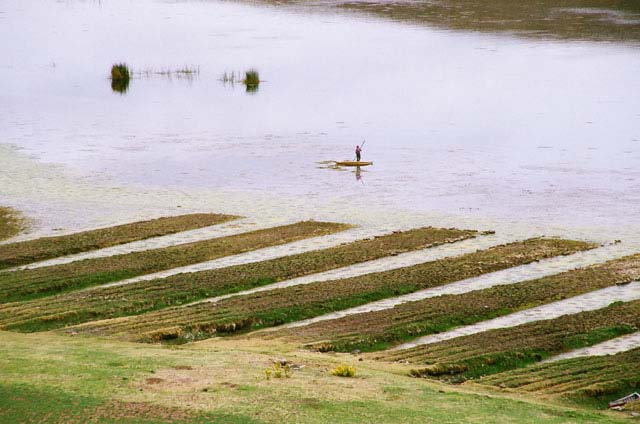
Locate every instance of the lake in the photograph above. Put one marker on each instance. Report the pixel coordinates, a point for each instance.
(461, 123)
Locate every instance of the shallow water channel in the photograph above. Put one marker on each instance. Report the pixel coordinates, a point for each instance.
(456, 123)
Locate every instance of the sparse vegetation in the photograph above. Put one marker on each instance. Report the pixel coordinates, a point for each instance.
(108, 302)
(279, 306)
(25, 252)
(11, 223)
(46, 281)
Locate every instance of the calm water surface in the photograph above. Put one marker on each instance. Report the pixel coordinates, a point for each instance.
(456, 122)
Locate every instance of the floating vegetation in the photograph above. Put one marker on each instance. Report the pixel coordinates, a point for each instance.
(120, 77)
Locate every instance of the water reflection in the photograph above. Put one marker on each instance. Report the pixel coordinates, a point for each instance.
(120, 86)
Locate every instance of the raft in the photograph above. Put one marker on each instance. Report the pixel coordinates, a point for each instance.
(353, 163)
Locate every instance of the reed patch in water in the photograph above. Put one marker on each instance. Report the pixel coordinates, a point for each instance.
(120, 77)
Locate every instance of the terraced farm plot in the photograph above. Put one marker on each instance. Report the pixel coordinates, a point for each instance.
(508, 348)
(385, 328)
(40, 282)
(21, 253)
(279, 306)
(11, 223)
(594, 380)
(143, 296)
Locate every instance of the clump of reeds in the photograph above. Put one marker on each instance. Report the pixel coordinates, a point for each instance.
(251, 80)
(229, 78)
(120, 77)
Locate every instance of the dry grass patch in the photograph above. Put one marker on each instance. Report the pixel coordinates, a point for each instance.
(25, 252)
(279, 306)
(46, 281)
(144, 296)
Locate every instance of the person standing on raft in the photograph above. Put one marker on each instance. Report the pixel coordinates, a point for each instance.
(358, 152)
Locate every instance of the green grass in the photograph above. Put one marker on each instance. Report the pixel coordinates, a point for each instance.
(279, 306)
(251, 80)
(131, 299)
(11, 223)
(379, 330)
(591, 381)
(50, 280)
(25, 252)
(56, 379)
(500, 350)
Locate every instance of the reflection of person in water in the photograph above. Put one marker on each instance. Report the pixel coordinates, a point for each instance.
(358, 176)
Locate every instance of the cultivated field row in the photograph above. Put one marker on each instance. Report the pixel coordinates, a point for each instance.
(382, 329)
(498, 350)
(112, 301)
(535, 270)
(278, 306)
(25, 252)
(395, 260)
(41, 282)
(609, 347)
(229, 228)
(593, 379)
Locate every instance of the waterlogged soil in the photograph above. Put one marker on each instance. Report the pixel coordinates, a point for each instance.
(382, 329)
(594, 20)
(609, 347)
(289, 304)
(499, 350)
(11, 223)
(41, 282)
(21, 253)
(143, 296)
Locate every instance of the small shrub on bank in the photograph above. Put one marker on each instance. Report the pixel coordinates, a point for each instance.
(344, 371)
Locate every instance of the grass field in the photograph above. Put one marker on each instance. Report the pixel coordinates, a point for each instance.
(11, 223)
(144, 296)
(60, 379)
(592, 381)
(25, 252)
(383, 329)
(46, 281)
(503, 349)
(279, 306)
